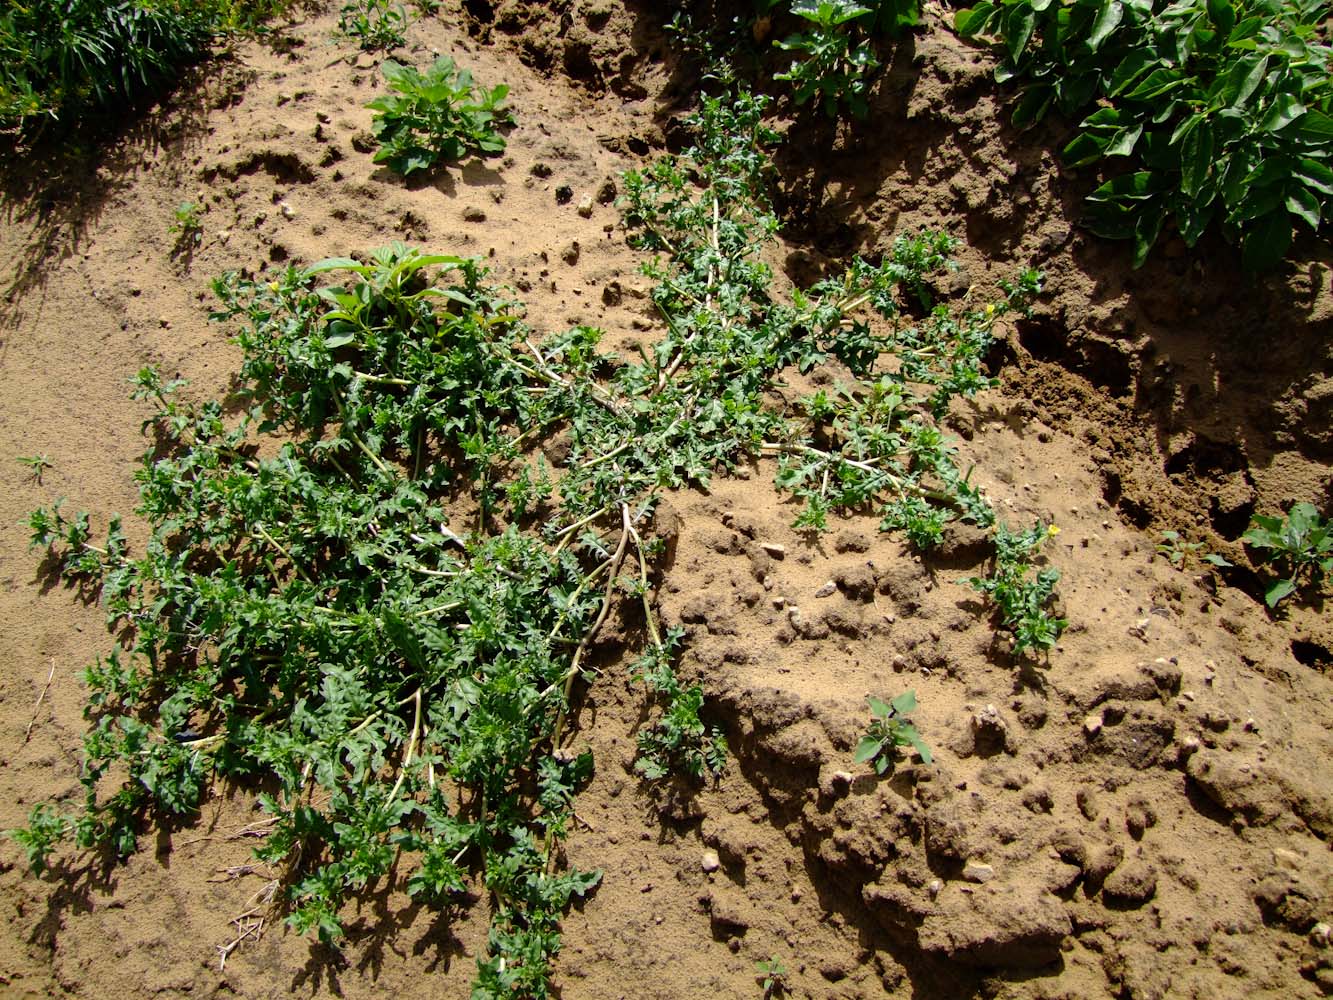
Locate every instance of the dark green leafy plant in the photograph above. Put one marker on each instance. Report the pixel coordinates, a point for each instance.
(436, 116)
(375, 24)
(889, 729)
(1300, 545)
(835, 63)
(1221, 112)
(1023, 600)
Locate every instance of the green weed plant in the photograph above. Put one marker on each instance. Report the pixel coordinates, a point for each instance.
(890, 729)
(1300, 545)
(436, 117)
(65, 59)
(384, 614)
(1205, 113)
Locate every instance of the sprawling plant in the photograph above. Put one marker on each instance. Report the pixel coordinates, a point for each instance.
(1220, 110)
(369, 592)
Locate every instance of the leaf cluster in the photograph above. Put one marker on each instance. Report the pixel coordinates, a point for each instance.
(436, 116)
(835, 61)
(1179, 550)
(378, 25)
(889, 729)
(1300, 545)
(364, 590)
(1022, 598)
(1221, 111)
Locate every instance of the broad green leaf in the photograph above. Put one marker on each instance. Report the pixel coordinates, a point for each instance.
(905, 703)
(1305, 206)
(1285, 109)
(335, 264)
(1316, 175)
(880, 709)
(920, 745)
(1266, 241)
(1123, 142)
(1018, 26)
(1146, 230)
(1130, 69)
(1278, 591)
(1245, 30)
(1196, 156)
(1085, 148)
(969, 21)
(867, 749)
(1313, 126)
(1108, 19)
(1157, 83)
(1032, 106)
(1243, 79)
(1221, 14)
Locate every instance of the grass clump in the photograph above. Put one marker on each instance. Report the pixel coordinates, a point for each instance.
(65, 59)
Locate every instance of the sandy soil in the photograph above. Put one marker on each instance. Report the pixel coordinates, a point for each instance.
(1146, 816)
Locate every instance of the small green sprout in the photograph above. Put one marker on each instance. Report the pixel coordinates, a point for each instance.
(1178, 551)
(774, 975)
(1302, 543)
(36, 465)
(889, 729)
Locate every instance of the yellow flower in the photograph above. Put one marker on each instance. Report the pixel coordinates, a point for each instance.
(990, 308)
(1052, 531)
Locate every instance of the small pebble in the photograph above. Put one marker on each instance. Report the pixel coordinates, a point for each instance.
(774, 549)
(1092, 725)
(710, 862)
(827, 589)
(977, 871)
(585, 206)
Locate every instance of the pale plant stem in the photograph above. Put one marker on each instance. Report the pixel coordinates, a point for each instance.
(411, 745)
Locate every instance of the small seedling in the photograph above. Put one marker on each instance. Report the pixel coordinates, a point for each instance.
(1301, 545)
(436, 116)
(888, 729)
(1023, 601)
(1179, 551)
(187, 227)
(36, 465)
(377, 24)
(774, 976)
